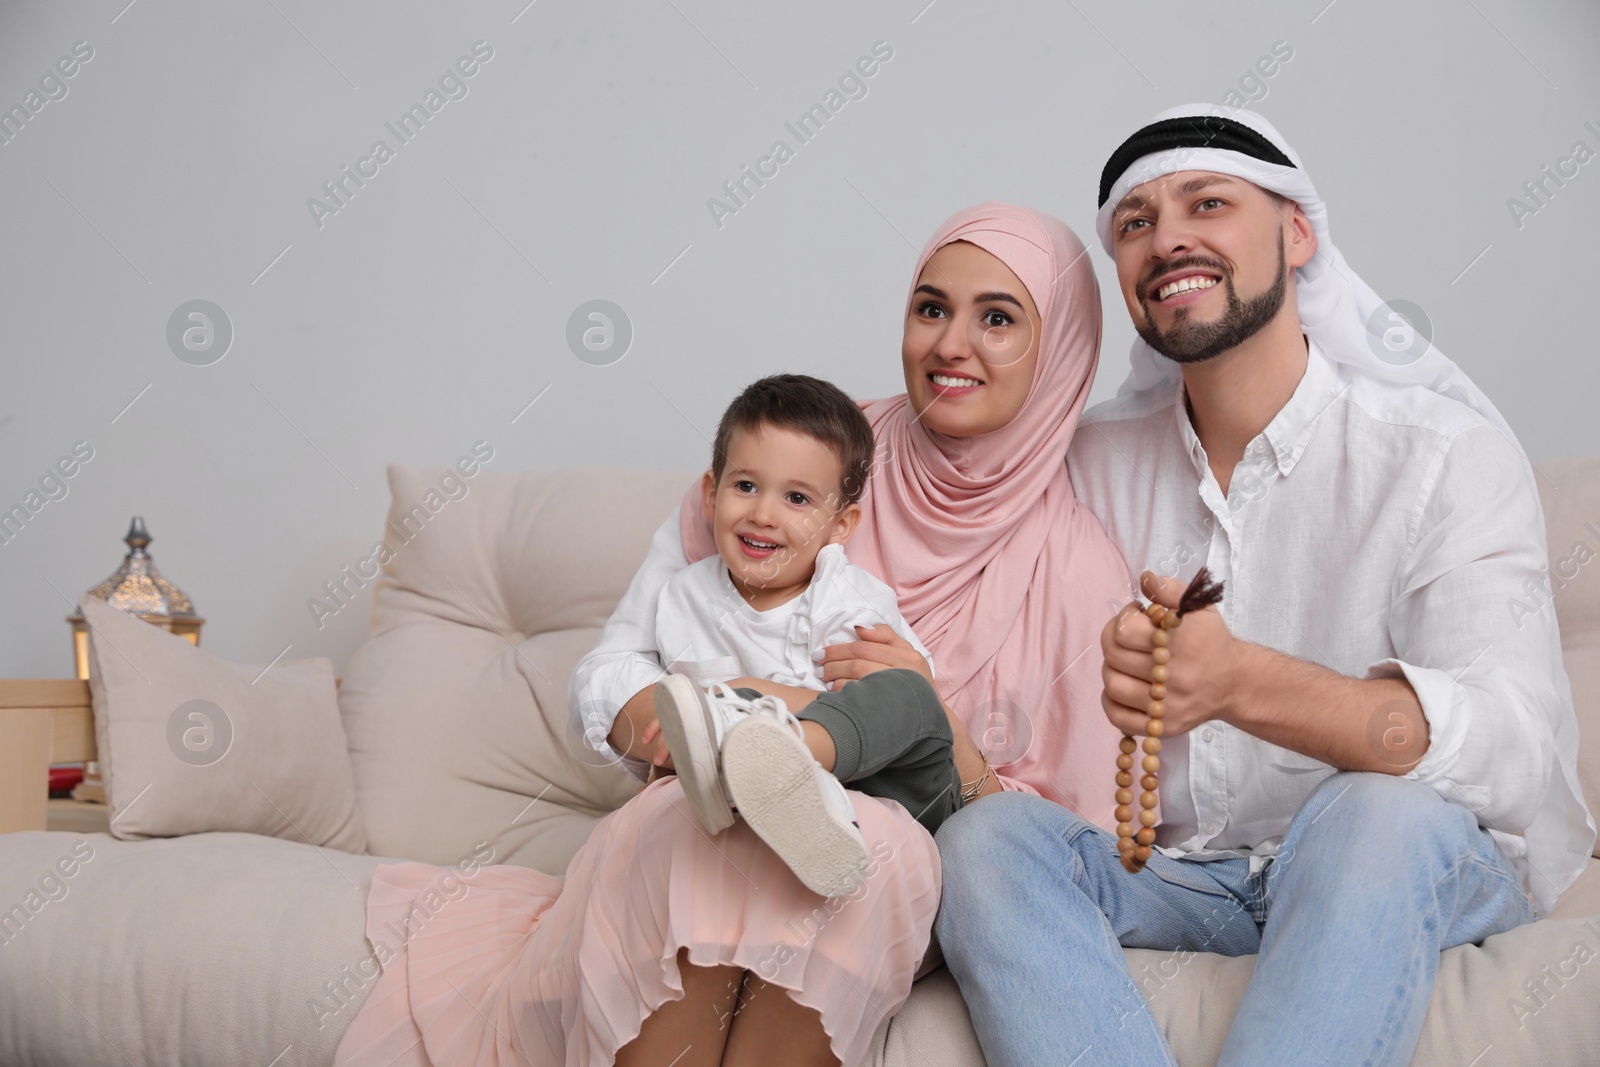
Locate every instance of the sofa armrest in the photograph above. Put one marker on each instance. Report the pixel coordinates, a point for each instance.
(42, 721)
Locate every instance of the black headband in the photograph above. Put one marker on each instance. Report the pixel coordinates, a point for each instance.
(1188, 131)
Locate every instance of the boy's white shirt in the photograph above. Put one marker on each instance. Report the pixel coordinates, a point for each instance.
(629, 656)
(708, 631)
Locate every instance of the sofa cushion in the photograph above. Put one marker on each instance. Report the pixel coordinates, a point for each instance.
(1570, 491)
(189, 743)
(212, 949)
(492, 588)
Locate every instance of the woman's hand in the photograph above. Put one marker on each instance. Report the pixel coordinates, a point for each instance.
(880, 649)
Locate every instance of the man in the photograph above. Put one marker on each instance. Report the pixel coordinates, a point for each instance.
(1367, 759)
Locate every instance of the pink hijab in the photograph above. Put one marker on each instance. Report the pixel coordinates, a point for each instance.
(999, 569)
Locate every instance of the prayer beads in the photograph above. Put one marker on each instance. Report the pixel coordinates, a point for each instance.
(1134, 844)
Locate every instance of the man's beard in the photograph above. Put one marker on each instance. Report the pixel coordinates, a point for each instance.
(1196, 342)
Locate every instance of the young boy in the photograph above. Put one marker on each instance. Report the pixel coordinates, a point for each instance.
(789, 465)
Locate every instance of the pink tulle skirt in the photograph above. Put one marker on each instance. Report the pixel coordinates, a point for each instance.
(517, 968)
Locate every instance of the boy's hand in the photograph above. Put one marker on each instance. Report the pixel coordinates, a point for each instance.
(880, 649)
(660, 755)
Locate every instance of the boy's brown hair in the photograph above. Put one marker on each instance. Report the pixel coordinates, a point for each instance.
(806, 405)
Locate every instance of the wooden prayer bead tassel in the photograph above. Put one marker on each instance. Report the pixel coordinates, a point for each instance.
(1134, 845)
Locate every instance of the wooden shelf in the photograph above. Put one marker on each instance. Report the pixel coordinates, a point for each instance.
(77, 817)
(42, 721)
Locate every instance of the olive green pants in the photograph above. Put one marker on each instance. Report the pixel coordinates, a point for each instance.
(892, 740)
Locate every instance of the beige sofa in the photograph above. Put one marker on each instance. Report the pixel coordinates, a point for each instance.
(228, 948)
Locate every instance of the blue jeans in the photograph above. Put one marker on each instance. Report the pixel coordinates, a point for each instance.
(1376, 876)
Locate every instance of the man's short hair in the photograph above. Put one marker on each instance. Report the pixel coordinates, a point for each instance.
(809, 406)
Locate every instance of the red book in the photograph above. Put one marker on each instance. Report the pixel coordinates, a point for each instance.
(63, 778)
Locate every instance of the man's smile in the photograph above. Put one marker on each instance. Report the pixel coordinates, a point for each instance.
(1169, 286)
(1189, 284)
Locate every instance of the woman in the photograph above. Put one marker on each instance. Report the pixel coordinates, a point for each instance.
(664, 942)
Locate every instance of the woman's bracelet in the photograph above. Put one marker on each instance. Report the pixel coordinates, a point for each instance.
(971, 790)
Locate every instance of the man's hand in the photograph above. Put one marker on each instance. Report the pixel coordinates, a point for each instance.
(880, 649)
(1202, 669)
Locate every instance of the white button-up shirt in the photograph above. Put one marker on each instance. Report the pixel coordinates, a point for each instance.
(1378, 530)
(706, 629)
(689, 619)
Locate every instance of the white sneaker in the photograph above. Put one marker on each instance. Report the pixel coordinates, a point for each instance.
(800, 810)
(694, 721)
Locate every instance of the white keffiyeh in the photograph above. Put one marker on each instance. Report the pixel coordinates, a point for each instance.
(1338, 310)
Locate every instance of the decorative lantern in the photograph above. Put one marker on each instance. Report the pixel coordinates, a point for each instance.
(139, 589)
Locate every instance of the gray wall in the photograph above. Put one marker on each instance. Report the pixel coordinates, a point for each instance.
(429, 310)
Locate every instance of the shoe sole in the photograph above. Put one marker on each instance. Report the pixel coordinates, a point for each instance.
(691, 738)
(771, 779)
